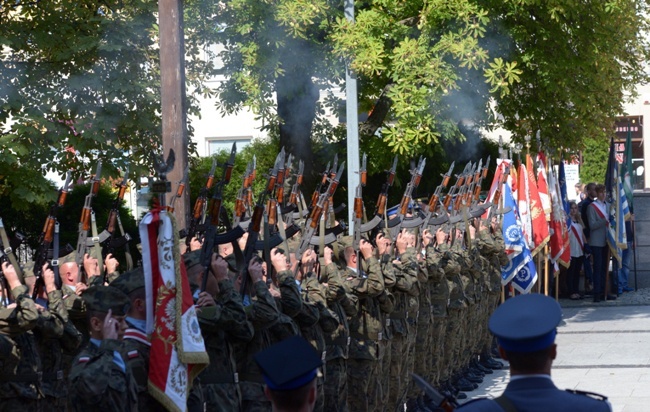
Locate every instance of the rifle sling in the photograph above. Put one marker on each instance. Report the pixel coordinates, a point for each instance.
(55, 254)
(97, 249)
(9, 251)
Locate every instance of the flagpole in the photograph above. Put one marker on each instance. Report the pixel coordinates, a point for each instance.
(546, 280)
(636, 287)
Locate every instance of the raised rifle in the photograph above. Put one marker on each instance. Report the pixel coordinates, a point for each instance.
(323, 181)
(214, 211)
(434, 200)
(240, 201)
(180, 189)
(255, 224)
(477, 189)
(416, 176)
(47, 237)
(382, 200)
(471, 185)
(200, 206)
(358, 210)
(86, 215)
(497, 193)
(460, 179)
(108, 238)
(317, 211)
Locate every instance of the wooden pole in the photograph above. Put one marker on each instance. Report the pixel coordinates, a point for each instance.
(172, 95)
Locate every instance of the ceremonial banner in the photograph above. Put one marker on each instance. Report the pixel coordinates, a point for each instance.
(498, 174)
(618, 209)
(627, 173)
(523, 203)
(512, 237)
(563, 194)
(541, 234)
(560, 248)
(177, 348)
(527, 274)
(542, 186)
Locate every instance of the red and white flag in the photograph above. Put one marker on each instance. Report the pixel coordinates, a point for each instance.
(560, 248)
(177, 348)
(542, 186)
(523, 205)
(538, 218)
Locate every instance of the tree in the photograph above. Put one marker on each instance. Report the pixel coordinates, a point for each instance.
(79, 81)
(578, 61)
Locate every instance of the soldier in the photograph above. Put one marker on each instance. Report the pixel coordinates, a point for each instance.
(21, 365)
(223, 320)
(405, 271)
(344, 305)
(366, 329)
(55, 337)
(262, 312)
(100, 378)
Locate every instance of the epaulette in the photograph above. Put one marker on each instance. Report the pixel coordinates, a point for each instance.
(592, 395)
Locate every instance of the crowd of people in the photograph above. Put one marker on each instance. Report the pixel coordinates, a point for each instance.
(397, 304)
(589, 249)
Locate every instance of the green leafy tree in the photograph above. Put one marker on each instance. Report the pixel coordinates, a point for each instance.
(594, 160)
(80, 80)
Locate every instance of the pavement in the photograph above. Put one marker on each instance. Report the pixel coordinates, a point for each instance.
(602, 347)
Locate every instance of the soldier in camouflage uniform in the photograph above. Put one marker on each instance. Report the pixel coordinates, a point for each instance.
(366, 329)
(223, 320)
(56, 336)
(313, 295)
(344, 305)
(262, 312)
(20, 366)
(404, 268)
(101, 378)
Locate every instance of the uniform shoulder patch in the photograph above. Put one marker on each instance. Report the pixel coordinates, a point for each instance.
(132, 354)
(83, 359)
(592, 395)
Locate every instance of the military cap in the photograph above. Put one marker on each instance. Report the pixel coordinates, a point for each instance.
(102, 298)
(192, 258)
(69, 258)
(526, 323)
(130, 281)
(289, 364)
(346, 241)
(28, 269)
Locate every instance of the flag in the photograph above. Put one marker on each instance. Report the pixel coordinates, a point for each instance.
(618, 206)
(560, 249)
(538, 218)
(523, 202)
(177, 348)
(498, 175)
(542, 186)
(626, 171)
(563, 195)
(520, 269)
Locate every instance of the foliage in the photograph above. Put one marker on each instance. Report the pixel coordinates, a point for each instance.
(577, 62)
(30, 222)
(79, 80)
(594, 161)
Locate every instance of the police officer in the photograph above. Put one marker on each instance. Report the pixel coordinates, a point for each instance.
(525, 327)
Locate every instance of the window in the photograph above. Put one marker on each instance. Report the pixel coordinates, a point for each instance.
(215, 145)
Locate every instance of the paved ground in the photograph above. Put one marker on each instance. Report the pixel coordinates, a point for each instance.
(602, 347)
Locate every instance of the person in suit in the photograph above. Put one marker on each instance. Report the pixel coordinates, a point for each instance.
(525, 327)
(598, 216)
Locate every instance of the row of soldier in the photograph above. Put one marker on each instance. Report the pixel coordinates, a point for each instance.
(418, 303)
(369, 306)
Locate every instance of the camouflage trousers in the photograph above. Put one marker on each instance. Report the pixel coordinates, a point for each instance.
(438, 364)
(253, 397)
(221, 397)
(336, 385)
(423, 352)
(396, 373)
(363, 385)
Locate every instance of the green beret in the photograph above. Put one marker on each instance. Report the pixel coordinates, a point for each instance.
(192, 259)
(130, 281)
(102, 298)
